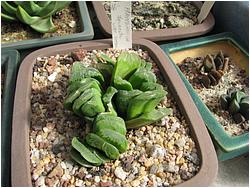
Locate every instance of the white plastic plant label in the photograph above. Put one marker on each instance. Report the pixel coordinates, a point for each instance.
(121, 24)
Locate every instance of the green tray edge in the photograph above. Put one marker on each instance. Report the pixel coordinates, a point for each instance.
(226, 142)
(86, 34)
(7, 112)
(222, 155)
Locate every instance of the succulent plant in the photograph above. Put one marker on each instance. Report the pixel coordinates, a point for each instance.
(236, 102)
(36, 14)
(212, 69)
(122, 100)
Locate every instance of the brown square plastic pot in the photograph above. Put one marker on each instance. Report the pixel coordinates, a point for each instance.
(157, 34)
(20, 158)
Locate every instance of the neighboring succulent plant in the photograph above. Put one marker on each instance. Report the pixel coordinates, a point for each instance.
(236, 102)
(36, 14)
(212, 69)
(106, 141)
(136, 95)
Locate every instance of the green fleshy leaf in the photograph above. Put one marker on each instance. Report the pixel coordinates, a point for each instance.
(76, 156)
(108, 121)
(11, 10)
(44, 25)
(107, 100)
(104, 58)
(148, 86)
(8, 18)
(140, 76)
(85, 153)
(145, 102)
(148, 118)
(93, 107)
(24, 17)
(126, 65)
(122, 100)
(116, 139)
(99, 143)
(83, 98)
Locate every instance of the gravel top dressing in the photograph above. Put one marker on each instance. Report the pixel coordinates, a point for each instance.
(160, 154)
(65, 20)
(234, 77)
(148, 15)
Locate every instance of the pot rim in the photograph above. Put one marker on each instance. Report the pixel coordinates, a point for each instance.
(157, 34)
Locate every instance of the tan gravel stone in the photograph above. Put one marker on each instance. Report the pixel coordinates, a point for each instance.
(57, 171)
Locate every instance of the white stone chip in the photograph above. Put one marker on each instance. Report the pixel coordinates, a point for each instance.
(52, 77)
(72, 24)
(120, 173)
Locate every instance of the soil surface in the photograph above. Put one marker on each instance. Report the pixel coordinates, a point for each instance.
(160, 154)
(66, 22)
(148, 15)
(233, 78)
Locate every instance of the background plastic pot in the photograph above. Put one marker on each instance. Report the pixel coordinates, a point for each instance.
(86, 33)
(22, 110)
(227, 146)
(157, 34)
(9, 62)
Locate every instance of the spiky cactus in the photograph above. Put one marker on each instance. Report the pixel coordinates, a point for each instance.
(36, 14)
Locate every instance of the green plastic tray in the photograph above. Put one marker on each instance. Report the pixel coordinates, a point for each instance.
(227, 146)
(9, 62)
(86, 34)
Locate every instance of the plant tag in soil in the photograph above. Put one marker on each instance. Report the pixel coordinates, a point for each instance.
(205, 9)
(121, 24)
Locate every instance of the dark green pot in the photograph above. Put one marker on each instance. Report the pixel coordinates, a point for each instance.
(9, 63)
(227, 146)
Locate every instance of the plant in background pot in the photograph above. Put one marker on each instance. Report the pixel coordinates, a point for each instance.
(104, 99)
(211, 67)
(158, 21)
(45, 23)
(38, 15)
(236, 102)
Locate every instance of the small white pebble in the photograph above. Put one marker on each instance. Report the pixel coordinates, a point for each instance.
(63, 165)
(180, 142)
(66, 177)
(35, 176)
(72, 24)
(39, 59)
(97, 179)
(52, 77)
(88, 176)
(39, 138)
(135, 183)
(40, 181)
(157, 151)
(175, 126)
(69, 166)
(79, 183)
(120, 173)
(45, 129)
